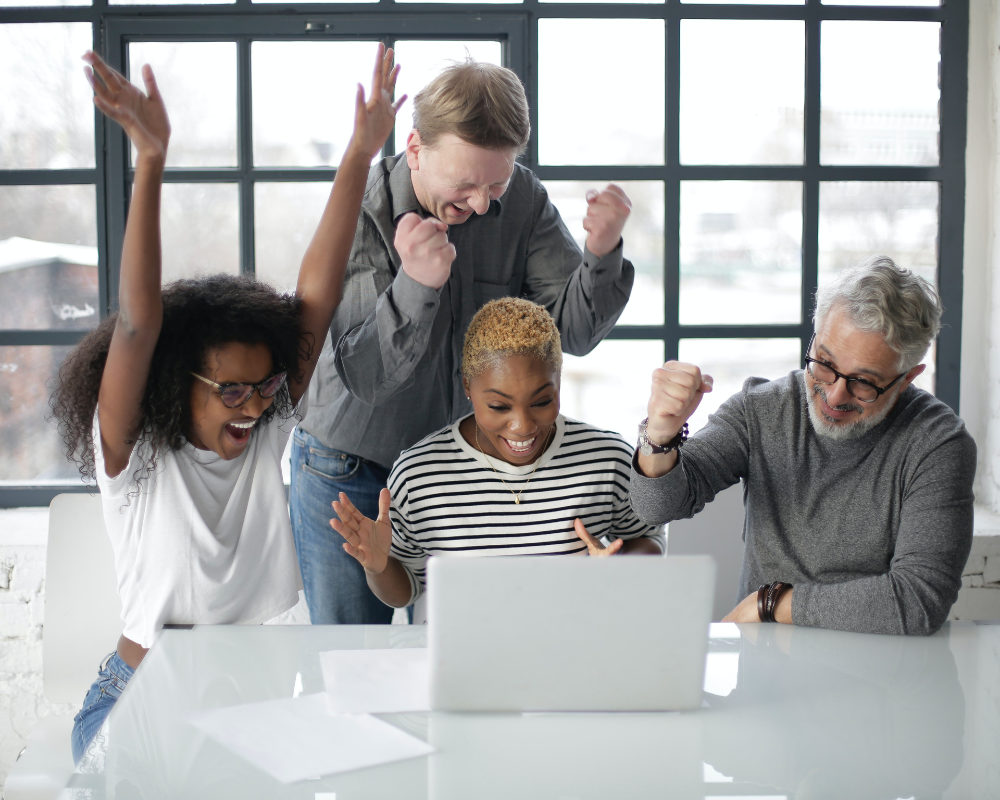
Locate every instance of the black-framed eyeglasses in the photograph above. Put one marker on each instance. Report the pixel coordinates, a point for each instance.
(859, 388)
(236, 394)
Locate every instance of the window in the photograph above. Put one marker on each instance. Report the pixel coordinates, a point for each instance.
(762, 146)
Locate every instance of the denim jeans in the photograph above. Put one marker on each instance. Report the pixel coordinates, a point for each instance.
(335, 586)
(112, 677)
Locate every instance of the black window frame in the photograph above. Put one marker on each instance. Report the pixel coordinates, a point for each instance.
(516, 26)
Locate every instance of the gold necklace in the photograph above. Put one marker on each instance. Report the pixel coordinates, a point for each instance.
(517, 497)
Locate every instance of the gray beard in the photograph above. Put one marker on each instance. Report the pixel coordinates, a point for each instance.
(840, 432)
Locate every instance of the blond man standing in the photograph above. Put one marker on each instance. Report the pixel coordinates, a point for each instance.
(445, 227)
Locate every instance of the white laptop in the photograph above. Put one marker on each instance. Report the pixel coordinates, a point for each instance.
(522, 633)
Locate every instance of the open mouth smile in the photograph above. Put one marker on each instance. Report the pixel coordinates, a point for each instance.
(520, 448)
(240, 431)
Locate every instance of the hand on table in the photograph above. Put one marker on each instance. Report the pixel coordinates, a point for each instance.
(594, 546)
(142, 116)
(607, 213)
(424, 249)
(367, 540)
(373, 120)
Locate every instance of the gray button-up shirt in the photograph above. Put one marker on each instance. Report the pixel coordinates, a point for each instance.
(390, 372)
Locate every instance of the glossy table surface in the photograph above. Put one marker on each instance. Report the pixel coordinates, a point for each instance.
(788, 712)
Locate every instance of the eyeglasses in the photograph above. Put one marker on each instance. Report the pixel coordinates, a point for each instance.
(236, 394)
(859, 388)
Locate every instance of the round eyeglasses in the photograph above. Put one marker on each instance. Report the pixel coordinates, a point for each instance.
(236, 394)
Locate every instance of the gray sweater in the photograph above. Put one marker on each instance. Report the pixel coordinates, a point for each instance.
(872, 532)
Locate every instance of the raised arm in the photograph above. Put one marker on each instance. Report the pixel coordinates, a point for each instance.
(140, 310)
(321, 276)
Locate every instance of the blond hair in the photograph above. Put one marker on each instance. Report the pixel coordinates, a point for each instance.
(480, 103)
(510, 326)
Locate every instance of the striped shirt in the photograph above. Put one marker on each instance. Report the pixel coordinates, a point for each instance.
(449, 499)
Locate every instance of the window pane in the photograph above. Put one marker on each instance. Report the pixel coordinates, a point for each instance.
(48, 257)
(8, 3)
(879, 92)
(32, 450)
(299, 122)
(897, 219)
(603, 1)
(862, 219)
(423, 60)
(198, 84)
(882, 2)
(748, 2)
(285, 219)
(597, 110)
(610, 386)
(741, 252)
(200, 230)
(750, 114)
(731, 361)
(46, 111)
(167, 2)
(643, 237)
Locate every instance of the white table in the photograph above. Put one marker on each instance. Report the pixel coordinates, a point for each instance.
(789, 712)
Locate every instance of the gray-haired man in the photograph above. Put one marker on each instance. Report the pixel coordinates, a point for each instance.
(857, 485)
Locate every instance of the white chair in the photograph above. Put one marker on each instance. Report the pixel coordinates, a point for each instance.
(82, 625)
(717, 531)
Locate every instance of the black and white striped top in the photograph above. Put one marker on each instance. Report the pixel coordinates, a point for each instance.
(447, 499)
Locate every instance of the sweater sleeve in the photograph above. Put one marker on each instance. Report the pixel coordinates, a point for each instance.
(925, 573)
(713, 459)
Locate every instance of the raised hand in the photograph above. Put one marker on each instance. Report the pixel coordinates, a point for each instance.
(675, 395)
(142, 116)
(594, 546)
(373, 120)
(607, 213)
(424, 249)
(367, 540)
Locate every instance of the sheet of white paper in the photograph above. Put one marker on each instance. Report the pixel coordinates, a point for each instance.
(298, 738)
(377, 681)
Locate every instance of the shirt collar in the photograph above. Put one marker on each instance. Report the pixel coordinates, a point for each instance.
(404, 199)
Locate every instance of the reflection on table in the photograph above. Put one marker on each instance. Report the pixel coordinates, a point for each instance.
(789, 712)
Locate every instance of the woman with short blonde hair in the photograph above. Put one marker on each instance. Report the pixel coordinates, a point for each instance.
(513, 478)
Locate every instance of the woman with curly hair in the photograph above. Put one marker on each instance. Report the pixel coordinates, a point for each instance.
(181, 403)
(513, 478)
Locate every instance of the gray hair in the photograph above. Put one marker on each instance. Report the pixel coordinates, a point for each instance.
(880, 297)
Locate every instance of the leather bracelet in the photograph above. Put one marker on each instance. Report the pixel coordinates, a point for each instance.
(761, 600)
(774, 593)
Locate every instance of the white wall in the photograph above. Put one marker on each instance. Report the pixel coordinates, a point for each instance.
(980, 390)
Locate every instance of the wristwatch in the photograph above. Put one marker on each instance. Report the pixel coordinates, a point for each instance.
(648, 448)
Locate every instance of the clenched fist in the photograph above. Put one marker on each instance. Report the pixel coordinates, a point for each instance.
(676, 392)
(425, 251)
(607, 213)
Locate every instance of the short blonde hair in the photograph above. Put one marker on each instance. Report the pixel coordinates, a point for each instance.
(510, 326)
(480, 103)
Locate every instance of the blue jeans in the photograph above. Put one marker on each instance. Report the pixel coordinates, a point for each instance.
(335, 586)
(112, 677)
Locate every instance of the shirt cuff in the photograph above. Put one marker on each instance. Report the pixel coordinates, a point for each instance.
(606, 269)
(414, 300)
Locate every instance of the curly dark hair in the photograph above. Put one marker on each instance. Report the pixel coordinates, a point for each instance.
(197, 315)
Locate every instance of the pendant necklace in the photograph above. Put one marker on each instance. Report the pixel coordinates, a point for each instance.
(517, 497)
